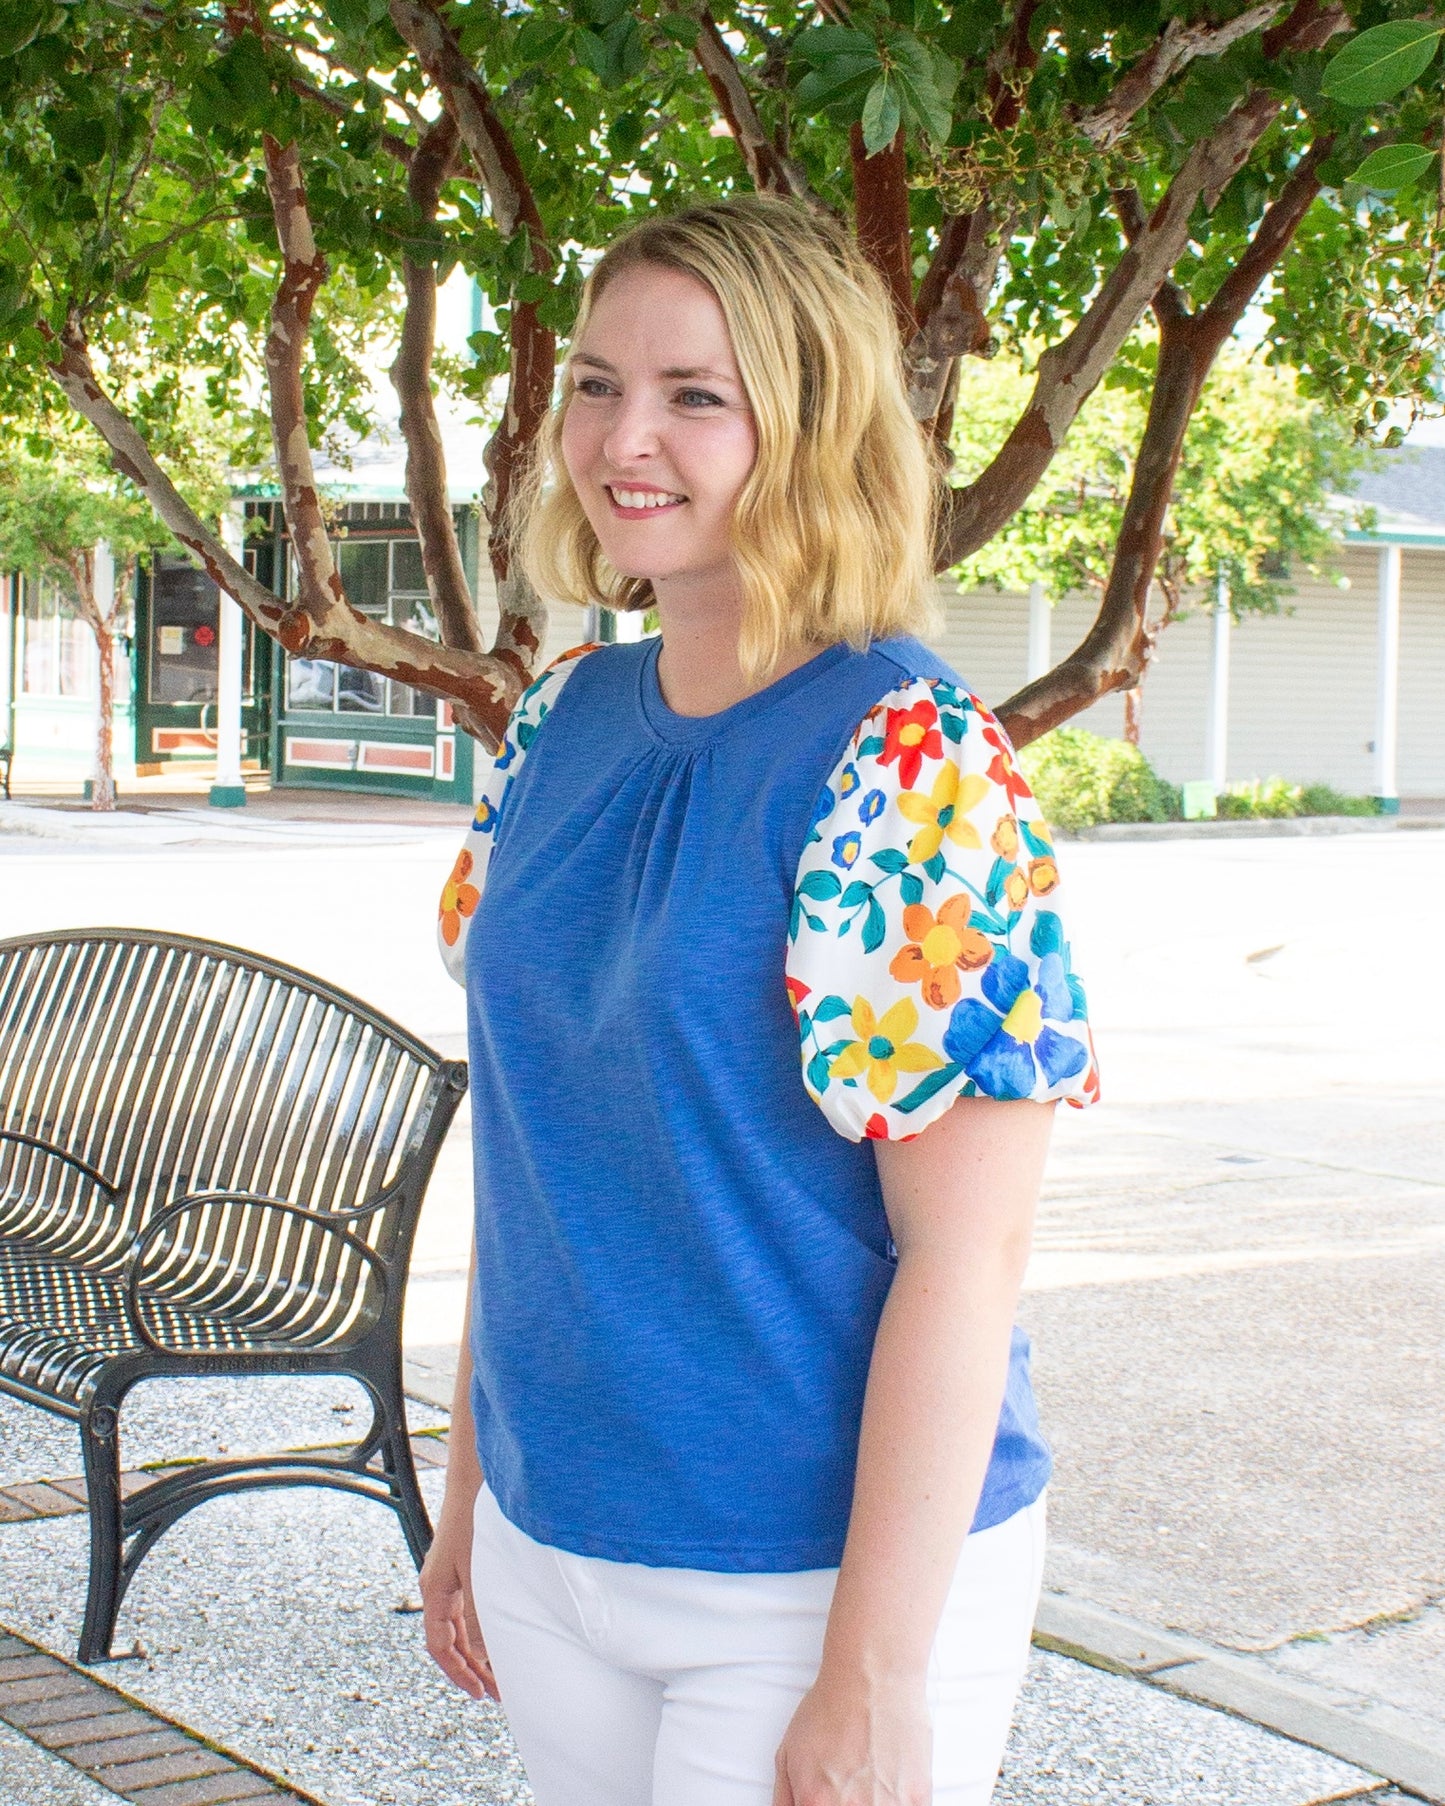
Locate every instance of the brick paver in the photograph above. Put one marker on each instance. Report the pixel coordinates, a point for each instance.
(136, 1753)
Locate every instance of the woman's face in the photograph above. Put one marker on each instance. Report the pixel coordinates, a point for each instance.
(658, 437)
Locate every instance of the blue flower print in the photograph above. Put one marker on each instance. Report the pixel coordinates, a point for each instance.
(871, 807)
(507, 754)
(485, 819)
(848, 779)
(846, 848)
(1005, 1043)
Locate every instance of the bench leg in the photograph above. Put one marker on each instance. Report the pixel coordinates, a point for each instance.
(100, 1446)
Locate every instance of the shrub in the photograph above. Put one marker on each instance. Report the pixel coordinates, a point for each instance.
(1272, 798)
(1082, 779)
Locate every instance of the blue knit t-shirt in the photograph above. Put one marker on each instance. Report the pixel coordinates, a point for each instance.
(707, 959)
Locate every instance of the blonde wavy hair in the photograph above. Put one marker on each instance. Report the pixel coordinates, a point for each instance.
(833, 528)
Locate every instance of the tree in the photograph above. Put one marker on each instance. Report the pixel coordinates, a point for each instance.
(260, 183)
(1256, 499)
(60, 502)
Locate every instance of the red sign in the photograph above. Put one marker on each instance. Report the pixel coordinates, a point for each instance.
(204, 636)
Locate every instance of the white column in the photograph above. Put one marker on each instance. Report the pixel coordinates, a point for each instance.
(229, 790)
(629, 623)
(1387, 689)
(1216, 749)
(1040, 624)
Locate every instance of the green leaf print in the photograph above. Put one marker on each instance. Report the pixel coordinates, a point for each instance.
(820, 886)
(875, 926)
(831, 1008)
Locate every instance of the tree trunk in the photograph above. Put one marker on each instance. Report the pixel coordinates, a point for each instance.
(102, 790)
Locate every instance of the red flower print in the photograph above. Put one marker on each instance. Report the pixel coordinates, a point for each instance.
(797, 991)
(911, 737)
(875, 1129)
(1002, 769)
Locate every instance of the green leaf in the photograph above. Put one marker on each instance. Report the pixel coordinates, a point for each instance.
(592, 53)
(929, 1087)
(22, 20)
(882, 115)
(681, 29)
(917, 73)
(889, 860)
(910, 889)
(875, 926)
(818, 1072)
(1394, 166)
(835, 81)
(826, 43)
(820, 886)
(831, 1008)
(1377, 64)
(855, 893)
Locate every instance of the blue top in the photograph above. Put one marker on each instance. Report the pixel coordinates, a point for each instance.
(682, 1251)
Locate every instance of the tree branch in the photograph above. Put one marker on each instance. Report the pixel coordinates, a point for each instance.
(771, 172)
(1117, 647)
(880, 207)
(951, 306)
(1177, 45)
(1015, 57)
(1069, 371)
(411, 377)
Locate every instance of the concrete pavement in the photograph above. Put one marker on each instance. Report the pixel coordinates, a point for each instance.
(1240, 1269)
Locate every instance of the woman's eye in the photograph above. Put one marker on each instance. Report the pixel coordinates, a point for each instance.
(699, 398)
(593, 386)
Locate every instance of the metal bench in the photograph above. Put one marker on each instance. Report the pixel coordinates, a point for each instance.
(210, 1163)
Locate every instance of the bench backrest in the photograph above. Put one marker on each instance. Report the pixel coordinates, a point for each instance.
(171, 1066)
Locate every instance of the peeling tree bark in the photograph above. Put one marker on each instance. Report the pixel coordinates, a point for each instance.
(1069, 371)
(1115, 652)
(771, 171)
(880, 205)
(411, 377)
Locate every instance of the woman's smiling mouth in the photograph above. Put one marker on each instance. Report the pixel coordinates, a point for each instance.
(641, 501)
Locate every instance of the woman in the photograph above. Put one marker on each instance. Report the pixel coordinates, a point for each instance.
(746, 1481)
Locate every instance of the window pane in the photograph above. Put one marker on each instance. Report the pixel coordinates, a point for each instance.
(360, 692)
(310, 683)
(406, 571)
(76, 640)
(363, 567)
(39, 671)
(184, 618)
(415, 614)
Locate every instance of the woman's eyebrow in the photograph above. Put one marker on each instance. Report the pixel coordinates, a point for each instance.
(675, 373)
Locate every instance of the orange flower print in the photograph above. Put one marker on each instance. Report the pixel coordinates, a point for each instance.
(1016, 889)
(939, 947)
(1043, 876)
(458, 898)
(911, 736)
(1005, 838)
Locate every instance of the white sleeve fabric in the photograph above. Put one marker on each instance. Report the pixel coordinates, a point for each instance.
(463, 889)
(927, 959)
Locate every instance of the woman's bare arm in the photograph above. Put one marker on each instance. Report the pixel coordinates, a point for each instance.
(453, 1635)
(960, 1201)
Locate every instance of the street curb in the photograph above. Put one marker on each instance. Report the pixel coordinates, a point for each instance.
(1281, 826)
(1376, 1738)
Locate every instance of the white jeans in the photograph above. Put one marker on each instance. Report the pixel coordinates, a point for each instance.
(634, 1686)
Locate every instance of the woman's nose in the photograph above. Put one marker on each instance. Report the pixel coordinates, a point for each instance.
(632, 432)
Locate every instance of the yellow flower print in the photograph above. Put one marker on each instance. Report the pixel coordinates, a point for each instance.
(1016, 889)
(943, 811)
(458, 898)
(883, 1048)
(1005, 838)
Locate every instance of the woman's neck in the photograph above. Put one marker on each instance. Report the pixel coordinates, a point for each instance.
(698, 670)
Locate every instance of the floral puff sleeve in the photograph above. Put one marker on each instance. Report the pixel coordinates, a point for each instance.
(927, 959)
(463, 889)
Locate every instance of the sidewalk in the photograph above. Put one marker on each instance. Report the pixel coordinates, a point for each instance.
(309, 1664)
(1236, 1301)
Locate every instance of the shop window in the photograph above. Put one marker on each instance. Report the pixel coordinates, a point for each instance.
(383, 578)
(56, 654)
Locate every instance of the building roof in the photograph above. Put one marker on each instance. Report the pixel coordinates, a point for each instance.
(1406, 489)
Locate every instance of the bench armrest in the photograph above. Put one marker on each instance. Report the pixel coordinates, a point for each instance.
(52, 1152)
(216, 1280)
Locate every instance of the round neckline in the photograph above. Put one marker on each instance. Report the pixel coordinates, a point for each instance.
(666, 724)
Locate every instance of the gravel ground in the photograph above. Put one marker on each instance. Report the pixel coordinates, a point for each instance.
(31, 1776)
(313, 1666)
(1085, 1738)
(163, 1419)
